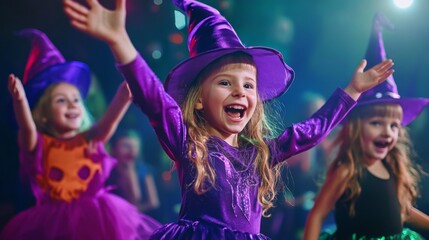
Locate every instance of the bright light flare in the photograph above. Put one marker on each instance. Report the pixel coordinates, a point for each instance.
(403, 3)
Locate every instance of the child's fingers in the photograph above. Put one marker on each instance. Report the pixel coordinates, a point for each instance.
(17, 93)
(75, 9)
(75, 16)
(384, 66)
(11, 77)
(81, 26)
(92, 3)
(361, 66)
(11, 82)
(385, 75)
(389, 63)
(15, 87)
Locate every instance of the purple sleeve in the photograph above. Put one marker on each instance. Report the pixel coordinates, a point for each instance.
(164, 114)
(305, 135)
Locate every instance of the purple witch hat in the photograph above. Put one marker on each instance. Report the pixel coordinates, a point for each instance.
(387, 91)
(46, 65)
(211, 37)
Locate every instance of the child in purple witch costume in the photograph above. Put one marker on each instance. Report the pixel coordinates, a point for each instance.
(63, 157)
(210, 118)
(372, 183)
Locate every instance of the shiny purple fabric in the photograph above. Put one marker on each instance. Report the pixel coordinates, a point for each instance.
(230, 209)
(96, 214)
(211, 36)
(43, 53)
(46, 65)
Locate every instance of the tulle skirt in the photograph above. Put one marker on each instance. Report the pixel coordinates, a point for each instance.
(202, 230)
(406, 234)
(103, 217)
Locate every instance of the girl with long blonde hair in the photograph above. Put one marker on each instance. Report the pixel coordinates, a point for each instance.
(210, 118)
(372, 183)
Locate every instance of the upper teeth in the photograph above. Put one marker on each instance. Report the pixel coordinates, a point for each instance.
(236, 107)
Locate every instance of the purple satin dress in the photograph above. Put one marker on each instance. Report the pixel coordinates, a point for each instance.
(230, 209)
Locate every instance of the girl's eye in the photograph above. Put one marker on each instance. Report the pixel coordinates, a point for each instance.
(224, 83)
(248, 85)
(394, 125)
(375, 123)
(60, 100)
(76, 100)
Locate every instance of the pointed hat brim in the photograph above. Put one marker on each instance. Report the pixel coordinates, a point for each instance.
(210, 37)
(273, 75)
(74, 73)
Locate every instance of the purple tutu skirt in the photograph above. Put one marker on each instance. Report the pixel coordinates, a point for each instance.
(197, 230)
(105, 216)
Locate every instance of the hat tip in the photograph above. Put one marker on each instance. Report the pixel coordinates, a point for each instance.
(180, 4)
(382, 22)
(29, 32)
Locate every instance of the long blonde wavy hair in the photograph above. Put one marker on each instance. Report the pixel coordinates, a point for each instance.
(351, 154)
(253, 133)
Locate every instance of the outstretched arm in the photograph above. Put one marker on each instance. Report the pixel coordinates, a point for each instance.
(105, 25)
(329, 194)
(27, 133)
(148, 92)
(363, 81)
(418, 219)
(107, 125)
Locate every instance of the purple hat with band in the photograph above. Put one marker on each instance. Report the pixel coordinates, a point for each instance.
(387, 91)
(211, 37)
(46, 65)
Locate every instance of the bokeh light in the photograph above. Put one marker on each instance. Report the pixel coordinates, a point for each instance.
(179, 20)
(157, 2)
(403, 3)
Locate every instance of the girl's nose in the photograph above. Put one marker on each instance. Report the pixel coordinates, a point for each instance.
(72, 103)
(239, 92)
(387, 131)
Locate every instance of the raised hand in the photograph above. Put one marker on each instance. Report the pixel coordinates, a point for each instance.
(96, 20)
(104, 24)
(27, 135)
(15, 88)
(365, 80)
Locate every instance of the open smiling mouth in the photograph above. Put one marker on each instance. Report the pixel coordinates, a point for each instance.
(235, 111)
(381, 144)
(72, 116)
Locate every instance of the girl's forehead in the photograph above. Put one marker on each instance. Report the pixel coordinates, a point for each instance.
(65, 88)
(235, 69)
(384, 118)
(240, 66)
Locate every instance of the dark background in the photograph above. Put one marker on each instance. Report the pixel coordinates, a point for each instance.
(322, 40)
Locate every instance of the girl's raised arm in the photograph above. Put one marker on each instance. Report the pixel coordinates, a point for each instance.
(105, 25)
(107, 125)
(27, 133)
